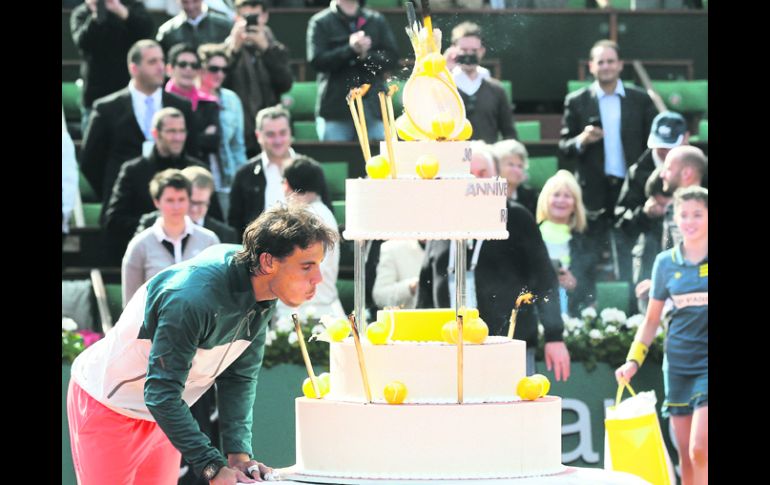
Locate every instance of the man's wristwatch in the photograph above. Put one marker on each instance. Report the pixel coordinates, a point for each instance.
(211, 470)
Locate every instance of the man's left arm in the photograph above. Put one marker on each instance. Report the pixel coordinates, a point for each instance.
(236, 391)
(505, 117)
(276, 58)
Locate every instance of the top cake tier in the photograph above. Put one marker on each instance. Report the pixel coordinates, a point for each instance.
(454, 157)
(454, 205)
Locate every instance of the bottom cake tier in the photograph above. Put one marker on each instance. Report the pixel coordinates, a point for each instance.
(429, 441)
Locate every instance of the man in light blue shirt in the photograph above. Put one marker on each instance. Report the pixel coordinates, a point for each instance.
(605, 127)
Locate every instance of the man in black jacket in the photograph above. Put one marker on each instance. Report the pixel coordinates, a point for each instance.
(257, 186)
(104, 42)
(258, 70)
(348, 46)
(130, 197)
(120, 127)
(196, 24)
(605, 126)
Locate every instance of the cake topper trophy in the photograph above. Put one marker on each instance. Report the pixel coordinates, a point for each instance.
(433, 110)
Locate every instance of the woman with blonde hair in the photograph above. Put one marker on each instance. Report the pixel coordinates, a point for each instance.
(562, 219)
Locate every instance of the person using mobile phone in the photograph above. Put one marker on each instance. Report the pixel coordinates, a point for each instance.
(486, 104)
(562, 219)
(104, 31)
(258, 68)
(604, 131)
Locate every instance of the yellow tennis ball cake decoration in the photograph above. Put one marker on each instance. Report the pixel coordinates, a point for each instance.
(475, 331)
(449, 332)
(338, 330)
(324, 384)
(427, 166)
(543, 381)
(395, 392)
(529, 389)
(378, 167)
(378, 333)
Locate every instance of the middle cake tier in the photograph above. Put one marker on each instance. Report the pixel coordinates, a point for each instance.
(429, 370)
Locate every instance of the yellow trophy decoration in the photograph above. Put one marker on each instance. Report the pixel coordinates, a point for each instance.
(433, 108)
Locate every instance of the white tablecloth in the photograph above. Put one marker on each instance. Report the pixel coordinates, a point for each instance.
(570, 476)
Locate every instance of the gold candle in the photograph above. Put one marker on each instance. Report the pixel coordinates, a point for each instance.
(388, 141)
(306, 357)
(360, 352)
(459, 359)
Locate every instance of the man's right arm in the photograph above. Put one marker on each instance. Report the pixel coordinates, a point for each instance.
(174, 344)
(570, 128)
(93, 156)
(235, 214)
(120, 219)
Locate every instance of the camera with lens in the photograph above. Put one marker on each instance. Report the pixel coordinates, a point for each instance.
(467, 59)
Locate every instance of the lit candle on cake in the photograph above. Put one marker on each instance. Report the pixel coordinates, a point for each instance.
(525, 298)
(360, 352)
(306, 356)
(388, 139)
(351, 99)
(361, 92)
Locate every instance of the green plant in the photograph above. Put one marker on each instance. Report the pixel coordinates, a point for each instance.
(606, 337)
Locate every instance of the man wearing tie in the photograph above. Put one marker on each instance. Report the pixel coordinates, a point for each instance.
(120, 127)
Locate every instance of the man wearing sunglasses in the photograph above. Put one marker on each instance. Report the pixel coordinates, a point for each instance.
(259, 65)
(184, 69)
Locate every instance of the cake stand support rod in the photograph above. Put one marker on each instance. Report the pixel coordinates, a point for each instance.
(460, 264)
(359, 279)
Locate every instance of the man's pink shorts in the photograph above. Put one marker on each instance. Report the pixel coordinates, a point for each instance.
(109, 448)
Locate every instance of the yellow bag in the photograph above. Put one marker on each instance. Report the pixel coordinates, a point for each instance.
(633, 440)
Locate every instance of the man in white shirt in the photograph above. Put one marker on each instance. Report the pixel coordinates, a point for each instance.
(257, 185)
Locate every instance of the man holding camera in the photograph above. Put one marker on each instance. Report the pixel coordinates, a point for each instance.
(486, 105)
(259, 65)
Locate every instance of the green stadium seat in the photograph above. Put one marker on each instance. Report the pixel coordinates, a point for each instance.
(383, 4)
(684, 96)
(703, 130)
(91, 213)
(575, 84)
(613, 294)
(576, 4)
(540, 170)
(345, 290)
(300, 100)
(528, 130)
(70, 99)
(305, 131)
(338, 207)
(620, 4)
(114, 300)
(508, 88)
(87, 193)
(335, 174)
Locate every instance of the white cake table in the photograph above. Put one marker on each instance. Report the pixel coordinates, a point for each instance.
(570, 476)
